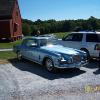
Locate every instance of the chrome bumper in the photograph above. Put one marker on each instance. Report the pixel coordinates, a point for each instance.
(74, 65)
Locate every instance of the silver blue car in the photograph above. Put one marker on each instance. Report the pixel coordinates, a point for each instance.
(44, 51)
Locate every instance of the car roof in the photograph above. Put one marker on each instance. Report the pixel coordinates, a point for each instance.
(87, 32)
(36, 37)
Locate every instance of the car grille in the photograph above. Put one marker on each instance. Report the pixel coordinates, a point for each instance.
(84, 58)
(76, 58)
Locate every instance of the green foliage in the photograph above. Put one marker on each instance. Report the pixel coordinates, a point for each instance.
(9, 45)
(53, 26)
(61, 34)
(26, 30)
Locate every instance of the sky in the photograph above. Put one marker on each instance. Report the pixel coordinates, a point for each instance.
(59, 9)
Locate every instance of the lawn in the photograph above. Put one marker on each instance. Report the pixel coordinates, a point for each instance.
(9, 44)
(7, 55)
(61, 34)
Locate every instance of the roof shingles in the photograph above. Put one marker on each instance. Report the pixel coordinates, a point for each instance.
(6, 8)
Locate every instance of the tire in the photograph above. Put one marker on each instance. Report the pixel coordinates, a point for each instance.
(87, 53)
(19, 56)
(76, 68)
(49, 65)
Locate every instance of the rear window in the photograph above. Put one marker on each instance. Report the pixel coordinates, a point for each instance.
(93, 38)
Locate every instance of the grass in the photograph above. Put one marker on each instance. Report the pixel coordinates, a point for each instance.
(5, 55)
(9, 44)
(61, 34)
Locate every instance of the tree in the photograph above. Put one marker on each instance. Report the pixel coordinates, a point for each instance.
(52, 26)
(26, 30)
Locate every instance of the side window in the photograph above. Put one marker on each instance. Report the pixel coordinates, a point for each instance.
(74, 37)
(24, 42)
(69, 37)
(30, 42)
(43, 42)
(93, 38)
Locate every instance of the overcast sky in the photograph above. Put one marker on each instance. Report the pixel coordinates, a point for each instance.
(59, 9)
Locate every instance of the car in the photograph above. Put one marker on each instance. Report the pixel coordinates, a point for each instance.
(45, 52)
(83, 40)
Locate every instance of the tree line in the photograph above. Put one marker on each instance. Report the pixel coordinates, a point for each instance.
(52, 26)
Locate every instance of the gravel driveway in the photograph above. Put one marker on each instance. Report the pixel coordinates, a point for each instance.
(29, 81)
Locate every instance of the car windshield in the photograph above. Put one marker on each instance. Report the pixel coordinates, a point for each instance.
(45, 42)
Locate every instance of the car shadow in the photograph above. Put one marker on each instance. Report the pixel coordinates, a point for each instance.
(41, 71)
(92, 64)
(97, 71)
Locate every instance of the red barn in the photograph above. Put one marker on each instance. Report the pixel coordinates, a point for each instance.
(10, 20)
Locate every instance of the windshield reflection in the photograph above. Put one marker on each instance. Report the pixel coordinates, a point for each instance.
(45, 42)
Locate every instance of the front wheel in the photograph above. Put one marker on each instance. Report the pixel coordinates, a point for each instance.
(87, 53)
(19, 56)
(49, 65)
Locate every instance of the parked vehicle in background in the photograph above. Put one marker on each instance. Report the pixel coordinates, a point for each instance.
(85, 41)
(44, 52)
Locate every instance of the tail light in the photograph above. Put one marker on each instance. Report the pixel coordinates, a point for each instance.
(97, 47)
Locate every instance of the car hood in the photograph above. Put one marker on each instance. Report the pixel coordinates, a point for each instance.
(60, 49)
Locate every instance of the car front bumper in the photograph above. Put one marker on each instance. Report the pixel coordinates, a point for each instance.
(74, 65)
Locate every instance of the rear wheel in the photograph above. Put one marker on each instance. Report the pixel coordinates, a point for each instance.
(49, 65)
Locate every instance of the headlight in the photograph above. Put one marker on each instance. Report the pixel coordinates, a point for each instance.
(70, 60)
(65, 60)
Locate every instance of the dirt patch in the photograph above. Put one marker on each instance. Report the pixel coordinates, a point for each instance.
(4, 61)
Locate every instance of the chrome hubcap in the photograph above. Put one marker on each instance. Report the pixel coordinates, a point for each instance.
(19, 56)
(49, 64)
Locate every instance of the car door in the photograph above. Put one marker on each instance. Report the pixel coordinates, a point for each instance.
(92, 40)
(30, 49)
(24, 48)
(73, 40)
